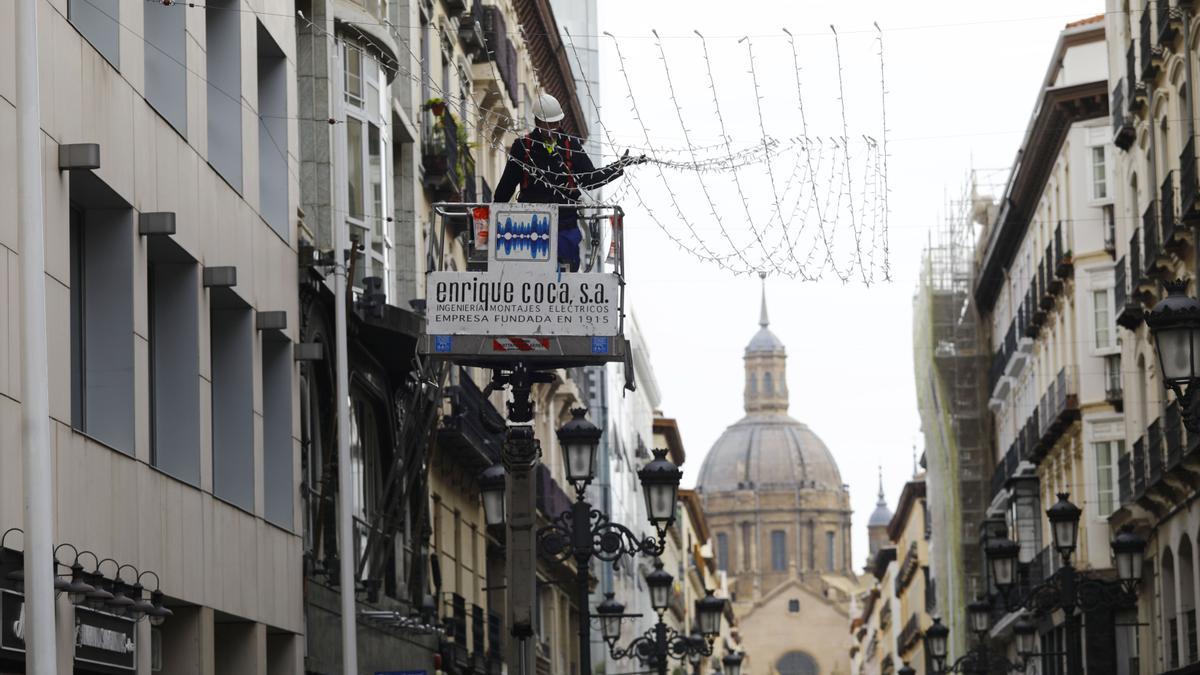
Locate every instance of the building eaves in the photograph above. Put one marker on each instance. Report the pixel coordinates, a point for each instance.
(1060, 108)
(550, 61)
(913, 491)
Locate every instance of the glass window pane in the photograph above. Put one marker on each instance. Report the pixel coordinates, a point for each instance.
(1102, 319)
(354, 83)
(1099, 174)
(354, 167)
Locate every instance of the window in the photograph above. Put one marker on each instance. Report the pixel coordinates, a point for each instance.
(369, 167)
(223, 53)
(232, 344)
(173, 308)
(1106, 457)
(722, 552)
(829, 551)
(98, 21)
(794, 606)
(746, 564)
(365, 471)
(272, 134)
(753, 383)
(1024, 517)
(778, 550)
(354, 88)
(102, 341)
(165, 58)
(278, 486)
(1112, 377)
(1110, 227)
(1099, 173)
(1102, 318)
(768, 385)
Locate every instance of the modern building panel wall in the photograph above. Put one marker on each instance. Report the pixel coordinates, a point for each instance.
(232, 347)
(174, 325)
(166, 61)
(223, 55)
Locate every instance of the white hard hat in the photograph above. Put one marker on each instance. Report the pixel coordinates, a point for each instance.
(547, 109)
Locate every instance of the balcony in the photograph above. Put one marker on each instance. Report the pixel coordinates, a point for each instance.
(1152, 251)
(551, 498)
(1007, 466)
(440, 155)
(1031, 444)
(470, 31)
(1057, 410)
(1174, 234)
(1129, 311)
(1124, 476)
(1048, 283)
(1189, 205)
(1135, 89)
(500, 49)
(1122, 121)
(1034, 298)
(1064, 263)
(1154, 453)
(1168, 23)
(1138, 460)
(1173, 435)
(1151, 54)
(910, 635)
(469, 426)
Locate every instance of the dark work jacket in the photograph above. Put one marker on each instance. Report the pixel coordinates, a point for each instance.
(551, 168)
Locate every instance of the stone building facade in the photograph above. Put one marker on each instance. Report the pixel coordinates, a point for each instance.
(780, 521)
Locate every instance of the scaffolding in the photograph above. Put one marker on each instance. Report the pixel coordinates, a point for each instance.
(951, 363)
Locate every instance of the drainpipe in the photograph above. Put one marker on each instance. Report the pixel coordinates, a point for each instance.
(40, 642)
(341, 261)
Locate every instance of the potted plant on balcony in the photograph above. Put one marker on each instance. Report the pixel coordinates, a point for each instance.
(1066, 265)
(436, 105)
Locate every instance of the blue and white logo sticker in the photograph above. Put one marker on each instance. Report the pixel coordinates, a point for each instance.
(599, 345)
(443, 343)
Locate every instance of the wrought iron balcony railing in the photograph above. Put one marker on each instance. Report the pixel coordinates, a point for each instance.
(1122, 120)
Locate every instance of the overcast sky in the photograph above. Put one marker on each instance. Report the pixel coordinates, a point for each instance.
(962, 79)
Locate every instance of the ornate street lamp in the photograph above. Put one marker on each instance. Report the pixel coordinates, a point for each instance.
(733, 663)
(709, 610)
(1002, 557)
(1128, 550)
(659, 582)
(979, 616)
(611, 612)
(660, 483)
(579, 439)
(491, 487)
(1026, 632)
(906, 670)
(1064, 525)
(1175, 325)
(935, 642)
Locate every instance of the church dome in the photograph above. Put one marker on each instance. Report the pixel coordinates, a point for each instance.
(768, 449)
(769, 452)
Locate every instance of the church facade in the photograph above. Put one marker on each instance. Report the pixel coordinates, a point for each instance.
(780, 521)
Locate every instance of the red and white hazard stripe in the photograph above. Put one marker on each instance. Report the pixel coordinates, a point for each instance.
(516, 344)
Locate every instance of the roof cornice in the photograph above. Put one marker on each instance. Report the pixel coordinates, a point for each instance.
(1060, 108)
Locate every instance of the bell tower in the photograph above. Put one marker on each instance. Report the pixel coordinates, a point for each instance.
(766, 366)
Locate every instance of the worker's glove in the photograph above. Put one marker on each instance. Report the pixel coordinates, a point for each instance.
(626, 160)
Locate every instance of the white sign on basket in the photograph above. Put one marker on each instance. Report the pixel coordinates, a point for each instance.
(517, 302)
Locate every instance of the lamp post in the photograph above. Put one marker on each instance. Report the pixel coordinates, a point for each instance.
(732, 663)
(654, 647)
(1068, 589)
(979, 660)
(583, 532)
(1175, 326)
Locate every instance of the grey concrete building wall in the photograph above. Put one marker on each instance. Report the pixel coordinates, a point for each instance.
(216, 562)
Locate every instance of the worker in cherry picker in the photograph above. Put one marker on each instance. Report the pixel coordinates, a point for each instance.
(551, 167)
